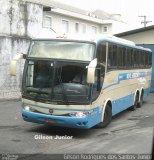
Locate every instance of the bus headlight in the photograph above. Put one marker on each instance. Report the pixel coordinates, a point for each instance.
(28, 108)
(78, 114)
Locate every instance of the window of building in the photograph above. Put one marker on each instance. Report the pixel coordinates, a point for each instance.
(94, 29)
(65, 26)
(83, 28)
(47, 22)
(105, 29)
(22, 11)
(76, 27)
(46, 8)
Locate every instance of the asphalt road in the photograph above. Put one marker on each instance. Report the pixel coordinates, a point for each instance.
(130, 132)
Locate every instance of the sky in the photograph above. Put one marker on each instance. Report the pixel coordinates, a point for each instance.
(129, 9)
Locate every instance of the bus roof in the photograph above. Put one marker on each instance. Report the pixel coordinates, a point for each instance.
(95, 38)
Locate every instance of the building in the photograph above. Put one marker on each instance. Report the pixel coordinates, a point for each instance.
(29, 17)
(143, 37)
(21, 20)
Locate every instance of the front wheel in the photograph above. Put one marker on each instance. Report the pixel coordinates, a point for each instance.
(107, 117)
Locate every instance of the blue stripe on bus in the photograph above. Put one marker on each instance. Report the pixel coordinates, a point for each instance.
(123, 103)
(127, 76)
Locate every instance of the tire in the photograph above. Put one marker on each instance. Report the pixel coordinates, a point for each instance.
(132, 108)
(141, 100)
(107, 117)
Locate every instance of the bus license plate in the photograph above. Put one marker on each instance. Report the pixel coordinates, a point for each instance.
(50, 120)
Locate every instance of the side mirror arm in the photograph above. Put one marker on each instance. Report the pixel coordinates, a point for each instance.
(91, 71)
(14, 62)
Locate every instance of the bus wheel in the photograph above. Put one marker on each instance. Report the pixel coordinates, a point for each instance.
(132, 108)
(141, 101)
(107, 117)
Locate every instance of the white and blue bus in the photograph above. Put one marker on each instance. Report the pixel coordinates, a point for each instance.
(82, 83)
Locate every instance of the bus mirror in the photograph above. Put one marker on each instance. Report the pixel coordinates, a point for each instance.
(14, 62)
(91, 71)
(24, 56)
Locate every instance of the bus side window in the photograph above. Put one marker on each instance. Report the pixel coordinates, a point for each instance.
(121, 57)
(150, 59)
(112, 56)
(101, 54)
(132, 58)
(146, 56)
(109, 56)
(139, 59)
(147, 59)
(120, 64)
(142, 65)
(129, 58)
(135, 59)
(98, 83)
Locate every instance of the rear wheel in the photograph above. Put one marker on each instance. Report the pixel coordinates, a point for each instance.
(132, 108)
(107, 117)
(141, 100)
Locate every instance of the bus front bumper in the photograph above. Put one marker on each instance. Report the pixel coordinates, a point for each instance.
(85, 122)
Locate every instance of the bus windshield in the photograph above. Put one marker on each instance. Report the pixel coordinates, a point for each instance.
(62, 50)
(56, 81)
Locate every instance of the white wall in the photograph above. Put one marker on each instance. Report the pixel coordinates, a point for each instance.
(34, 19)
(57, 23)
(146, 37)
(10, 46)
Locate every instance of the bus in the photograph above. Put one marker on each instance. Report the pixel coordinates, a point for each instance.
(83, 82)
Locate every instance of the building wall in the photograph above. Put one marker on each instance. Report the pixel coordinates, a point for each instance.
(34, 19)
(10, 46)
(145, 37)
(20, 19)
(9, 16)
(57, 23)
(118, 26)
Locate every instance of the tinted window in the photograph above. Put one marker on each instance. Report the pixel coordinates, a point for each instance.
(142, 59)
(129, 58)
(101, 53)
(135, 59)
(121, 57)
(112, 56)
